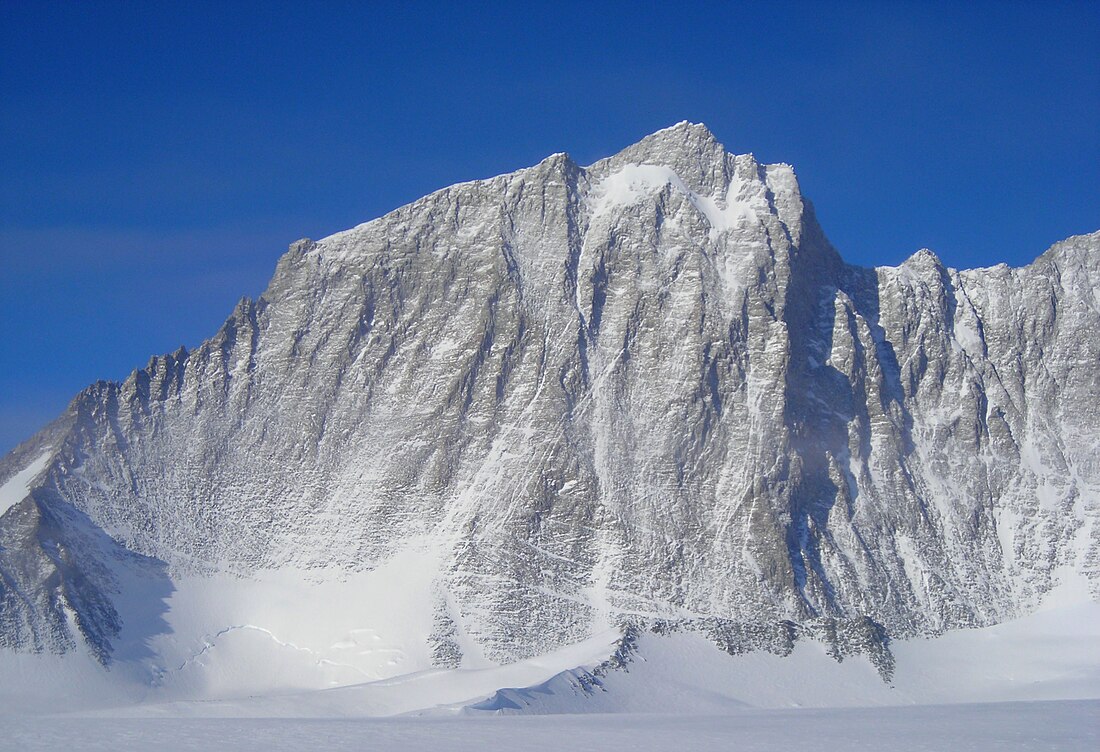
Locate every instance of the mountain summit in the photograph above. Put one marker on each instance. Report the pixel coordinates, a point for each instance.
(521, 412)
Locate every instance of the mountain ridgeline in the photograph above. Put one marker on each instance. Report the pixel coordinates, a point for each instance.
(646, 394)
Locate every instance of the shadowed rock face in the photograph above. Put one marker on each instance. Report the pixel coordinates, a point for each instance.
(645, 389)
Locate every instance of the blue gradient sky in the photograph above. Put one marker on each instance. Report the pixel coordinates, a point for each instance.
(155, 161)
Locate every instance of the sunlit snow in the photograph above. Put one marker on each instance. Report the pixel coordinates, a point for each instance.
(18, 486)
(635, 182)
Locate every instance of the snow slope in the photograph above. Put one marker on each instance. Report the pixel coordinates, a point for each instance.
(1052, 655)
(1047, 656)
(16, 488)
(677, 692)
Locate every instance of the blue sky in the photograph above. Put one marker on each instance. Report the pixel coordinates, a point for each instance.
(156, 159)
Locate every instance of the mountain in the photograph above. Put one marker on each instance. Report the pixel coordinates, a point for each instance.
(641, 397)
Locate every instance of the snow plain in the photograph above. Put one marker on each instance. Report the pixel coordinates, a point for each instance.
(1011, 727)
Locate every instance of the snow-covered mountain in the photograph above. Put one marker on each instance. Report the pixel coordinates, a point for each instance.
(644, 397)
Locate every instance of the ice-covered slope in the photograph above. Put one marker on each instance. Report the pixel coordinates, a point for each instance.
(522, 411)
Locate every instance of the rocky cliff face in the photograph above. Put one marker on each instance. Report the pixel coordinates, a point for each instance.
(644, 391)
